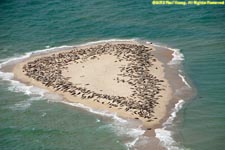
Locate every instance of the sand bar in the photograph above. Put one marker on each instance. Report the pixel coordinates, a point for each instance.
(120, 77)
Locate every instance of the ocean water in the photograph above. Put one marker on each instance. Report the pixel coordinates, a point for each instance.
(30, 120)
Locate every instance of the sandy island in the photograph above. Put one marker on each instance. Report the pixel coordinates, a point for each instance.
(121, 77)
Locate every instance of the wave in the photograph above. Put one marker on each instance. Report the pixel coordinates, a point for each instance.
(109, 40)
(98, 112)
(165, 135)
(28, 54)
(178, 57)
(25, 104)
(183, 79)
(16, 86)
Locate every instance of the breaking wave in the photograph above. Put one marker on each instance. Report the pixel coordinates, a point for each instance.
(178, 57)
(185, 82)
(164, 134)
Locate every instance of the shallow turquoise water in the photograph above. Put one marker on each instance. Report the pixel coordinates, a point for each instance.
(197, 30)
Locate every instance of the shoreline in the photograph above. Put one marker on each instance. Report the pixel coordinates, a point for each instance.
(164, 55)
(159, 112)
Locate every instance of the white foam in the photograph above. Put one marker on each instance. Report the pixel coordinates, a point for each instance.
(13, 59)
(183, 79)
(28, 54)
(17, 86)
(109, 40)
(178, 57)
(166, 136)
(25, 104)
(132, 143)
(136, 133)
(99, 112)
(51, 97)
(63, 47)
(21, 105)
(43, 114)
(6, 76)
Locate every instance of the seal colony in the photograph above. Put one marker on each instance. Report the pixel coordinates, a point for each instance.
(134, 77)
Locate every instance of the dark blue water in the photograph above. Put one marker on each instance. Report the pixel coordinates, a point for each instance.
(199, 31)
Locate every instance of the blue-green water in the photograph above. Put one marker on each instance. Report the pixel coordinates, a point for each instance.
(31, 122)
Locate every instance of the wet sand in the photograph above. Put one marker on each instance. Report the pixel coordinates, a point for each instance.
(120, 77)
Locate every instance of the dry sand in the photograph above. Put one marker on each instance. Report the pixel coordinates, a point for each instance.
(100, 75)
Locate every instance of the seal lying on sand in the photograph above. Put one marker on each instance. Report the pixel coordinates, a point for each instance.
(137, 73)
